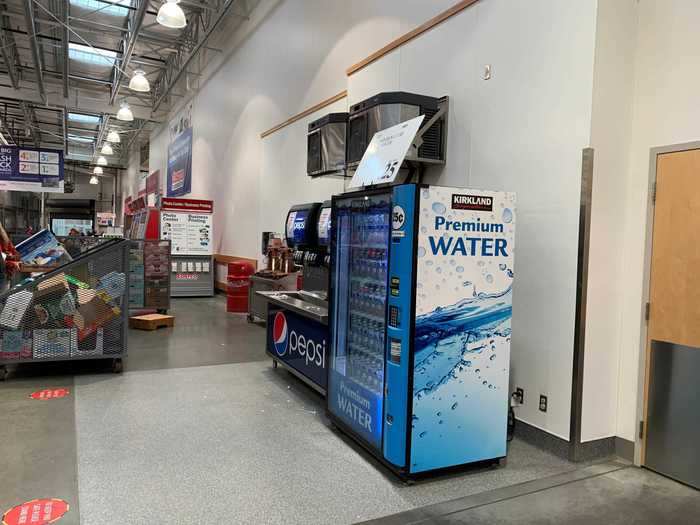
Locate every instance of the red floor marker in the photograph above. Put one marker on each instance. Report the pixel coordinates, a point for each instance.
(50, 393)
(36, 512)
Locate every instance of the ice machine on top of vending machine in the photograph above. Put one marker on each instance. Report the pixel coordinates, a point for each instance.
(421, 305)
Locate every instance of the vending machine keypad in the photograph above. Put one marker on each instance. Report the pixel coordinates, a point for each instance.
(394, 318)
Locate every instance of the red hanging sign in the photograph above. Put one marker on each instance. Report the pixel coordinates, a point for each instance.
(36, 512)
(50, 393)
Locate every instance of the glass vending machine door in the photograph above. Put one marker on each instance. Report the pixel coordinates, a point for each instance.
(361, 249)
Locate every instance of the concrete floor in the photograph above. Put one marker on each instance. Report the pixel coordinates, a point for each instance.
(201, 429)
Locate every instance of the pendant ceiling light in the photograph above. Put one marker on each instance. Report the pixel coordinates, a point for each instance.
(139, 82)
(97, 170)
(93, 179)
(124, 112)
(171, 15)
(107, 149)
(101, 161)
(113, 137)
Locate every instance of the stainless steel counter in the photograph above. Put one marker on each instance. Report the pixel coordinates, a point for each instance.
(307, 304)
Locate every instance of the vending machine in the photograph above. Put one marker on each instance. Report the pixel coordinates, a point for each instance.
(421, 295)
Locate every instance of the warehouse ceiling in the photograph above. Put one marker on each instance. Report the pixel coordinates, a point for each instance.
(66, 66)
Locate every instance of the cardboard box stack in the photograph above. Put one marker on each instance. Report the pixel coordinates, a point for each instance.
(157, 274)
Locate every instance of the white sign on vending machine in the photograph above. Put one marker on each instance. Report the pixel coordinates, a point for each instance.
(383, 157)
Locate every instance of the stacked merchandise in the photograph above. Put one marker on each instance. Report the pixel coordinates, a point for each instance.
(149, 274)
(157, 274)
(70, 314)
(136, 275)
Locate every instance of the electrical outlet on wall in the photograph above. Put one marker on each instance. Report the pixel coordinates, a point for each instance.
(543, 403)
(519, 396)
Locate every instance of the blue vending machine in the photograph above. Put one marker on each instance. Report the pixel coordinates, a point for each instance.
(421, 295)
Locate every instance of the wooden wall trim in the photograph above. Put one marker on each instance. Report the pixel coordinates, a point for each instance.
(220, 258)
(305, 113)
(427, 26)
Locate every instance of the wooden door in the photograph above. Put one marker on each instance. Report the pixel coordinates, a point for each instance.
(672, 429)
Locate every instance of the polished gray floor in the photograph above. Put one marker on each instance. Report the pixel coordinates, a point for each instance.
(37, 445)
(201, 429)
(204, 334)
(610, 493)
(250, 444)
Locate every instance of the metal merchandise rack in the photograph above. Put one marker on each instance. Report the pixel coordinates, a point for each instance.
(77, 311)
(80, 244)
(149, 275)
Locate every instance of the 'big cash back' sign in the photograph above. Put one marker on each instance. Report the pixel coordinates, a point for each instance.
(30, 169)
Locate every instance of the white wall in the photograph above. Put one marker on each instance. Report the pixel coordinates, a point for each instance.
(610, 137)
(283, 182)
(506, 134)
(665, 112)
(523, 130)
(131, 177)
(291, 59)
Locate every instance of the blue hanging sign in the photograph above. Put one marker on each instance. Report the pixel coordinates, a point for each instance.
(31, 169)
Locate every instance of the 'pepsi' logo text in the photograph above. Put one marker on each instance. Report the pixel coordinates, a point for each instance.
(289, 342)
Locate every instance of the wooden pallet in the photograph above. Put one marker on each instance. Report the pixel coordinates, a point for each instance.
(151, 321)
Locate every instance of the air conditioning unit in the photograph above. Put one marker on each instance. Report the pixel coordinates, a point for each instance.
(385, 110)
(325, 141)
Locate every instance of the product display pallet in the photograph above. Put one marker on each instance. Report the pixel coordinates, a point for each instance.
(77, 311)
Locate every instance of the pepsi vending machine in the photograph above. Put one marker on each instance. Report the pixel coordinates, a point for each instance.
(421, 294)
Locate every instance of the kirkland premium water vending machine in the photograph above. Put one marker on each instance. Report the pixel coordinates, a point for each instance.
(421, 294)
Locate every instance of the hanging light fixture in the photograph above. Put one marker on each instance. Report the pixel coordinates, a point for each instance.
(124, 112)
(171, 15)
(113, 137)
(139, 82)
(101, 161)
(97, 170)
(107, 149)
(93, 180)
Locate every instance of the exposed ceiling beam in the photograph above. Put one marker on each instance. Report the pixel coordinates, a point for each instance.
(198, 31)
(134, 26)
(30, 125)
(9, 50)
(75, 102)
(31, 29)
(101, 131)
(65, 33)
(65, 130)
(134, 137)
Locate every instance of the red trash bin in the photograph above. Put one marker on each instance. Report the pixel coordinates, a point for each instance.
(238, 281)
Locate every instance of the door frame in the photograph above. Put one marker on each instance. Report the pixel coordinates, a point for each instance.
(644, 351)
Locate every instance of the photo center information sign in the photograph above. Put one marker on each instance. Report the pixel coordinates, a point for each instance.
(30, 169)
(187, 223)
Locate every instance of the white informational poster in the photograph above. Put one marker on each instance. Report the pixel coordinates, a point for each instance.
(383, 157)
(189, 233)
(324, 224)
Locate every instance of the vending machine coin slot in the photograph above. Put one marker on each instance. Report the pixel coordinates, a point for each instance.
(395, 351)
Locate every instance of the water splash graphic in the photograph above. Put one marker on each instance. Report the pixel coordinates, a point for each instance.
(446, 337)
